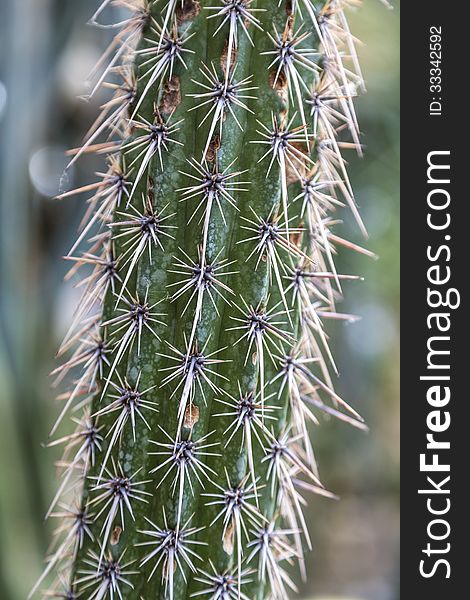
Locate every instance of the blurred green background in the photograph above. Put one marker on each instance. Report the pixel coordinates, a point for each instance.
(46, 52)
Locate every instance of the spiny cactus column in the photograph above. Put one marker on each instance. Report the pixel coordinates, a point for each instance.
(198, 354)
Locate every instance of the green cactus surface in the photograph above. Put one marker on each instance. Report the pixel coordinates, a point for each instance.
(198, 357)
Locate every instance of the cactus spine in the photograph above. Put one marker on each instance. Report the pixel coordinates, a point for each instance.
(198, 351)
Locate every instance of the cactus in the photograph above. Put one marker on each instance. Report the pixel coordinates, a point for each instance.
(198, 354)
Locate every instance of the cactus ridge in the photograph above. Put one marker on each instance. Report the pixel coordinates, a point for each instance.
(198, 355)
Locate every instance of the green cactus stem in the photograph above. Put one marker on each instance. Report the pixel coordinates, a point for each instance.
(198, 354)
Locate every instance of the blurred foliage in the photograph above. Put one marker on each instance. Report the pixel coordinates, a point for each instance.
(46, 52)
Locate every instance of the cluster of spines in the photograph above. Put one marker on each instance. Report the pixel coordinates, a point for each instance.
(198, 353)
